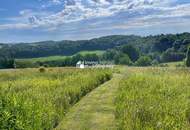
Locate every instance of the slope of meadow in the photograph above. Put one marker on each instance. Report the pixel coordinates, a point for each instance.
(54, 58)
(154, 99)
(55, 61)
(33, 100)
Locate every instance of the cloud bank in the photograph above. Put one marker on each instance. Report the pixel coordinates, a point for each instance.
(115, 13)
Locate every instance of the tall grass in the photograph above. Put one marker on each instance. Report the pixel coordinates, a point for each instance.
(31, 100)
(154, 99)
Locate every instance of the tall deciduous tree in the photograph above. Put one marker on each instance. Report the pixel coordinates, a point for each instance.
(131, 51)
(188, 58)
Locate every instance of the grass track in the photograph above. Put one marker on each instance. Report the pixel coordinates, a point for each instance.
(95, 111)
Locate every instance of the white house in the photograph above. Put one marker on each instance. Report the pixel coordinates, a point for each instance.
(80, 64)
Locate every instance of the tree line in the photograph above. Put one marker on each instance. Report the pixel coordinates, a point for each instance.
(128, 50)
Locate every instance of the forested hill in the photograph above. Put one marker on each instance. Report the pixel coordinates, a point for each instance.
(149, 44)
(162, 48)
(51, 48)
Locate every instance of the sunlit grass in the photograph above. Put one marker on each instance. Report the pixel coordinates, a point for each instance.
(38, 100)
(154, 99)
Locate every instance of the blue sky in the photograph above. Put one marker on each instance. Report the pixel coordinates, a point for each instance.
(38, 20)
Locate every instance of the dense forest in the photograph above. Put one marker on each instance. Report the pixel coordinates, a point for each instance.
(121, 49)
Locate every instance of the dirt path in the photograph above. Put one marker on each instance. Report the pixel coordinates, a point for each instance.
(95, 111)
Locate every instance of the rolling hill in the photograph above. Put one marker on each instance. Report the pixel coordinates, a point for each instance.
(158, 48)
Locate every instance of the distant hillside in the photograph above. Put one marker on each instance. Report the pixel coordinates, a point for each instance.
(57, 61)
(129, 50)
(52, 48)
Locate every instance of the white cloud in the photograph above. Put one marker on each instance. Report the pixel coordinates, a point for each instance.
(15, 26)
(76, 10)
(80, 9)
(136, 12)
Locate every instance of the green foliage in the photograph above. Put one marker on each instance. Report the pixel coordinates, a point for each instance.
(125, 60)
(31, 100)
(170, 55)
(57, 61)
(122, 59)
(143, 61)
(6, 63)
(61, 53)
(158, 43)
(154, 63)
(91, 57)
(154, 99)
(110, 54)
(131, 51)
(163, 43)
(160, 48)
(65, 48)
(42, 69)
(188, 58)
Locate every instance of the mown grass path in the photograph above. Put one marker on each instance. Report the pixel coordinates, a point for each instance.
(95, 111)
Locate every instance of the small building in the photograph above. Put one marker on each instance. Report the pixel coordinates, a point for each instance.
(80, 64)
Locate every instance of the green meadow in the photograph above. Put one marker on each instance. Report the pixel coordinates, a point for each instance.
(124, 98)
(38, 100)
(54, 58)
(58, 61)
(154, 99)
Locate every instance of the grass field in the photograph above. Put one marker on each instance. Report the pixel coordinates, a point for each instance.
(54, 58)
(98, 52)
(33, 100)
(51, 61)
(173, 64)
(43, 59)
(151, 98)
(154, 99)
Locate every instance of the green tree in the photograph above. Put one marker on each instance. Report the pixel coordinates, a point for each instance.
(91, 57)
(143, 61)
(122, 59)
(6, 63)
(131, 51)
(76, 58)
(109, 54)
(163, 43)
(188, 58)
(171, 55)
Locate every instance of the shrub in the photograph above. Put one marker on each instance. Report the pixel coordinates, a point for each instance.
(42, 69)
(125, 60)
(154, 62)
(143, 61)
(163, 65)
(122, 59)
